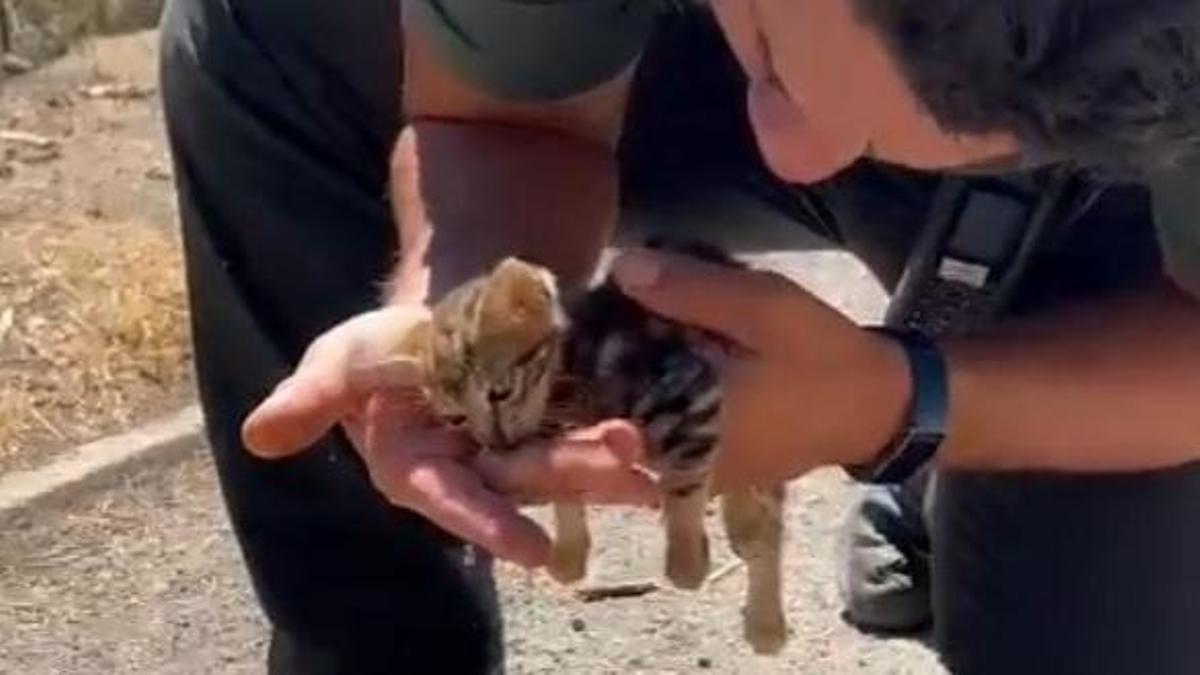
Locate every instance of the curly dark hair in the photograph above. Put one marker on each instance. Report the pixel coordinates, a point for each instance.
(1109, 84)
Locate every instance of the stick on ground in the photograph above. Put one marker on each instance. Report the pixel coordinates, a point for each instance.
(617, 591)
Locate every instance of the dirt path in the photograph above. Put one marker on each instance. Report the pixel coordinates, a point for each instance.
(145, 578)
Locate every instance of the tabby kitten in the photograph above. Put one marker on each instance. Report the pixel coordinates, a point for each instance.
(497, 345)
(662, 375)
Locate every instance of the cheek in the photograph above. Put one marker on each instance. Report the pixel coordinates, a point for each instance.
(796, 147)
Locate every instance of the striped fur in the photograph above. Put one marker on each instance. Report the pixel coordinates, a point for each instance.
(650, 370)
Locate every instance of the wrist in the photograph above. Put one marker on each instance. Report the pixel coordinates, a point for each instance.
(891, 388)
(926, 414)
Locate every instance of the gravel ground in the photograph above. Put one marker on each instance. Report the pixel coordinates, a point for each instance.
(145, 578)
(142, 578)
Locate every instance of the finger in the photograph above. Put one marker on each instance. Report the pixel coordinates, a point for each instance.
(338, 370)
(392, 426)
(324, 389)
(419, 468)
(749, 307)
(300, 410)
(598, 464)
(453, 497)
(396, 372)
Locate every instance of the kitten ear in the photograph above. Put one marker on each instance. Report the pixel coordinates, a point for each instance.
(518, 297)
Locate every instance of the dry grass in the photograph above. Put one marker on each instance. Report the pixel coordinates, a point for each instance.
(93, 330)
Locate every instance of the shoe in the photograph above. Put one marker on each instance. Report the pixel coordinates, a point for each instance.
(885, 559)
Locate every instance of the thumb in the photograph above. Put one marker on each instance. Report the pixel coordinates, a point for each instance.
(743, 305)
(335, 375)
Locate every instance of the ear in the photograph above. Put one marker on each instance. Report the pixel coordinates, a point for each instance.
(519, 297)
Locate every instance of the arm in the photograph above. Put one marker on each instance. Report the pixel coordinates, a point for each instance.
(1111, 386)
(475, 178)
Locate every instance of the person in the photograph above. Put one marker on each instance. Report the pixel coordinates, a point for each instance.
(340, 165)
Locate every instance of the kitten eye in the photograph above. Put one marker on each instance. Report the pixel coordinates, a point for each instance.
(499, 395)
(537, 349)
(455, 420)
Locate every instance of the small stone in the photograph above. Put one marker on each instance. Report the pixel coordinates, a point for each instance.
(578, 625)
(704, 663)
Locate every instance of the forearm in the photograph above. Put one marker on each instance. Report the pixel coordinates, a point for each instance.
(475, 178)
(467, 194)
(1112, 386)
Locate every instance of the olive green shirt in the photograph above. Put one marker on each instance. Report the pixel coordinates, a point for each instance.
(551, 49)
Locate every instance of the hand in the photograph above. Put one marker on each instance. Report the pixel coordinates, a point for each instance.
(350, 376)
(804, 386)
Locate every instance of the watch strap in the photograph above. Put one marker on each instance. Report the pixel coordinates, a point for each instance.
(925, 427)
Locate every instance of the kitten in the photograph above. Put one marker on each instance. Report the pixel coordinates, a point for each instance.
(497, 346)
(663, 375)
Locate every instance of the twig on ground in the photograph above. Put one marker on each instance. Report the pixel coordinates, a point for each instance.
(725, 571)
(117, 91)
(635, 589)
(7, 318)
(27, 139)
(41, 419)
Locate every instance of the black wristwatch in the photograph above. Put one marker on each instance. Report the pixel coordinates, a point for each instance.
(925, 428)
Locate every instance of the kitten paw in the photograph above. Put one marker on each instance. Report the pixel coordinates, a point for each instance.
(688, 564)
(767, 632)
(568, 562)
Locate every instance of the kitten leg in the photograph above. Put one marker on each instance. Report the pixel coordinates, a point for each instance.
(572, 543)
(687, 542)
(754, 522)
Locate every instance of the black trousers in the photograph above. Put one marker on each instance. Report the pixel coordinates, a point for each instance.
(281, 116)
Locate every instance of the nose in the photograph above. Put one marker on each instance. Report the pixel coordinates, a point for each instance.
(500, 440)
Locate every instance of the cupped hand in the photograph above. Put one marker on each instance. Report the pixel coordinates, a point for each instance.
(352, 377)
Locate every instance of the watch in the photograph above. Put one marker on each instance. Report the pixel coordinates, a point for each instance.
(925, 427)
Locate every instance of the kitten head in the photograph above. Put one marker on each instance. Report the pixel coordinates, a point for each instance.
(495, 353)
